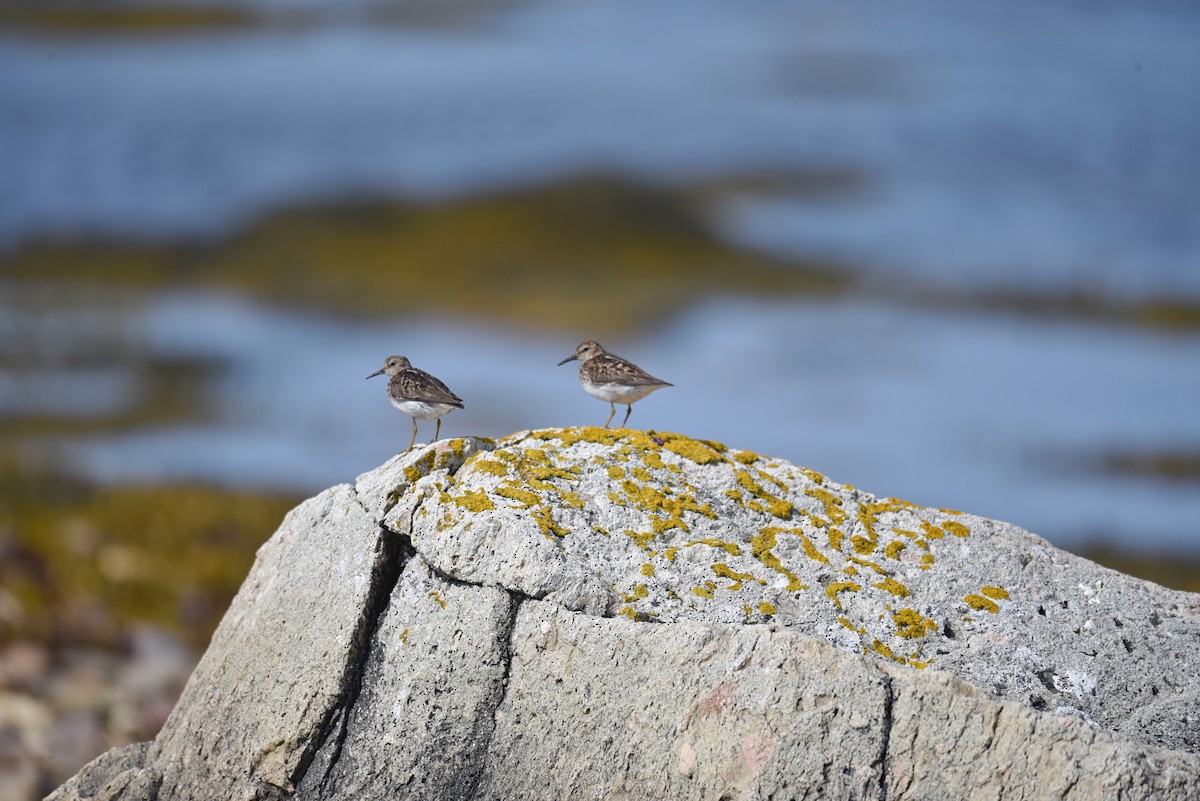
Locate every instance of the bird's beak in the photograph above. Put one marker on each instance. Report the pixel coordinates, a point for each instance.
(568, 359)
(377, 372)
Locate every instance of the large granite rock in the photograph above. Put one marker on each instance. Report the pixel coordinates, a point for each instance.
(594, 614)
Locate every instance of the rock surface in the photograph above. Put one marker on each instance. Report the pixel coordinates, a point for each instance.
(585, 613)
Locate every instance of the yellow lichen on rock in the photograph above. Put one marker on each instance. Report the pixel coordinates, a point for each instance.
(981, 604)
(724, 571)
(836, 588)
(894, 587)
(761, 545)
(474, 501)
(911, 624)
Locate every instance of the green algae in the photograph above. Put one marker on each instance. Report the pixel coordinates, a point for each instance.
(561, 257)
(110, 18)
(83, 564)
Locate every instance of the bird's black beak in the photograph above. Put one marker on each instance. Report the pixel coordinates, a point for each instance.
(377, 372)
(568, 359)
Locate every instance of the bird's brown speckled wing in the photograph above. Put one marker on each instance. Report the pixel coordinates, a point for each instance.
(414, 384)
(609, 369)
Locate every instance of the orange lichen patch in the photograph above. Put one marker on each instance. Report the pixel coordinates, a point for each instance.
(745, 457)
(911, 624)
(771, 504)
(731, 547)
(483, 465)
(981, 604)
(813, 475)
(846, 622)
(894, 587)
(927, 561)
(893, 549)
(766, 608)
(421, 467)
(437, 597)
(867, 563)
(669, 554)
(735, 495)
(642, 539)
(616, 472)
(571, 499)
(642, 474)
(836, 588)
(998, 593)
(474, 501)
(862, 544)
(835, 538)
(651, 459)
(545, 520)
(700, 453)
(932, 531)
(832, 503)
(810, 550)
(883, 650)
(724, 571)
(665, 506)
(950, 511)
(639, 592)
(706, 591)
(571, 436)
(524, 497)
(647, 569)
(765, 476)
(761, 545)
(956, 528)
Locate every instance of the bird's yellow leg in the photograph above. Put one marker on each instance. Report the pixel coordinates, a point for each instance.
(414, 438)
(610, 414)
(628, 411)
(438, 431)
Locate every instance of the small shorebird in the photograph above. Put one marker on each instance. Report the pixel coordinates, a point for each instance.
(613, 379)
(418, 394)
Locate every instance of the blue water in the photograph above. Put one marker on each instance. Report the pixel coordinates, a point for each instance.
(950, 410)
(1046, 147)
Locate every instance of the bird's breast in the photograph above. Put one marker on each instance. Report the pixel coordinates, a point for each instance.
(422, 410)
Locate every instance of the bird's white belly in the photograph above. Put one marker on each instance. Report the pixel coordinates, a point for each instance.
(619, 393)
(422, 410)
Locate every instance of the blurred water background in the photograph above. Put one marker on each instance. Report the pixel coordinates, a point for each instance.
(943, 252)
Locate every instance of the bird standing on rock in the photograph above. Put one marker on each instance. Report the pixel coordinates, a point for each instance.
(613, 379)
(418, 394)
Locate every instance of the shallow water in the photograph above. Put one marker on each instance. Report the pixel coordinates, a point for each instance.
(1046, 147)
(1000, 419)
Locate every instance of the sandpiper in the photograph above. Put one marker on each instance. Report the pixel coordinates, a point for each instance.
(613, 379)
(418, 394)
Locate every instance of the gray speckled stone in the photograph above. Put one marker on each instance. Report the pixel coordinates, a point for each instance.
(598, 614)
(743, 539)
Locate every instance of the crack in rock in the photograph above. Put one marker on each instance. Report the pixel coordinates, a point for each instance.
(394, 552)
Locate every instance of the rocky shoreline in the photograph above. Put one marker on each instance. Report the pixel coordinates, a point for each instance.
(582, 612)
